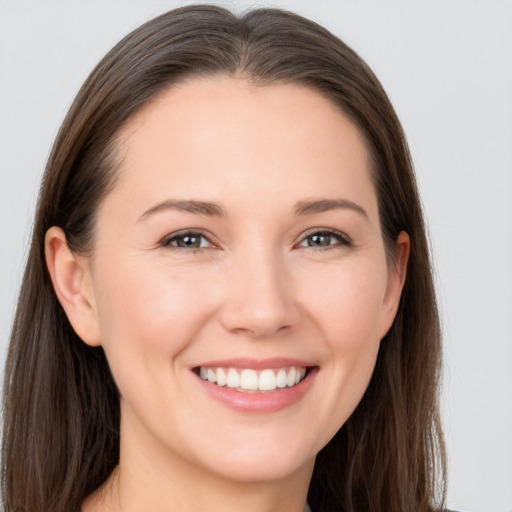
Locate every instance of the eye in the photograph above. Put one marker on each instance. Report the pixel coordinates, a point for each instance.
(325, 238)
(186, 240)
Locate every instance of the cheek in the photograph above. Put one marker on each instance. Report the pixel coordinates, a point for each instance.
(348, 303)
(149, 309)
(347, 310)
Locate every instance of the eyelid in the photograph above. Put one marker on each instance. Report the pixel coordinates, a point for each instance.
(167, 239)
(343, 238)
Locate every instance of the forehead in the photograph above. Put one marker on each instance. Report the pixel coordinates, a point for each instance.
(224, 136)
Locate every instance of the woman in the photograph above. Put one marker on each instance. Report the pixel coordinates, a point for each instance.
(228, 299)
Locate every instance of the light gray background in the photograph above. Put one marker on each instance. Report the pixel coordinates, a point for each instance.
(447, 66)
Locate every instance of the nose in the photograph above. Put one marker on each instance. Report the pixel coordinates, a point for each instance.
(259, 299)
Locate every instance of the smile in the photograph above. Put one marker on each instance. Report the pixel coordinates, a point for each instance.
(256, 386)
(254, 381)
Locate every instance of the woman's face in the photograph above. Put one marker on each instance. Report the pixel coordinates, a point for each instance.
(241, 244)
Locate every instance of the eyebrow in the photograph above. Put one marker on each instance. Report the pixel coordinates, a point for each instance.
(215, 210)
(324, 205)
(197, 207)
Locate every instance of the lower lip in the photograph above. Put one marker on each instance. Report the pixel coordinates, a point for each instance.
(259, 403)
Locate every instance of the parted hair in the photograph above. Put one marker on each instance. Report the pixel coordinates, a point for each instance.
(61, 404)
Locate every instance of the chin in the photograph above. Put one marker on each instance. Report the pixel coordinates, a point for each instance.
(265, 460)
(262, 469)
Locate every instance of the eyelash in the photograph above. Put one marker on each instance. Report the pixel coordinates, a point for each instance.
(342, 239)
(167, 241)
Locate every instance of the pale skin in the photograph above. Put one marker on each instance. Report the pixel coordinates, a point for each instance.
(285, 260)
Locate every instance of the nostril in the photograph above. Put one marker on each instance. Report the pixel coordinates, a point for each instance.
(244, 319)
(260, 330)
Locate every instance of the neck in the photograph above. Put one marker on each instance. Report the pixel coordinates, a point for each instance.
(124, 493)
(148, 478)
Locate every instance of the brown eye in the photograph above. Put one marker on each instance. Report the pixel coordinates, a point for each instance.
(188, 240)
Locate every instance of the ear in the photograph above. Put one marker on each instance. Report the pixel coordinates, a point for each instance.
(71, 281)
(395, 284)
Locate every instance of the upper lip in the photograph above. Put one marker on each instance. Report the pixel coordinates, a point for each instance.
(255, 364)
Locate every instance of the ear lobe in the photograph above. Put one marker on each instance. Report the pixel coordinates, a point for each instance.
(71, 281)
(396, 281)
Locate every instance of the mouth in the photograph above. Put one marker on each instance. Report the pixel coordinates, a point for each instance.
(250, 380)
(256, 386)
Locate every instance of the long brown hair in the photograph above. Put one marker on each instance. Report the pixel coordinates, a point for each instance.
(61, 407)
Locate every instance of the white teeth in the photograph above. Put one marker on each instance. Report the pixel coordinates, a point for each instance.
(290, 380)
(222, 378)
(267, 380)
(233, 380)
(281, 378)
(249, 380)
(212, 376)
